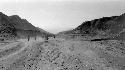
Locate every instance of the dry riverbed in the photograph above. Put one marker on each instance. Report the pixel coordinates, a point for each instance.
(61, 54)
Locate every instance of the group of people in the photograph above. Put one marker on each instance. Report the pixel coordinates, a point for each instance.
(46, 37)
(29, 38)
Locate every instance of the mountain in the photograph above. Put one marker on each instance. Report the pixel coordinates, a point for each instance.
(106, 27)
(12, 27)
(7, 30)
(43, 31)
(21, 23)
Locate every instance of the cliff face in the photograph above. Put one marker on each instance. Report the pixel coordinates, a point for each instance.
(106, 27)
(12, 27)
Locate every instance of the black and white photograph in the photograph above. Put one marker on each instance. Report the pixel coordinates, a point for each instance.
(62, 34)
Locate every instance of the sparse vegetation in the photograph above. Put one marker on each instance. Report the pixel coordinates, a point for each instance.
(74, 55)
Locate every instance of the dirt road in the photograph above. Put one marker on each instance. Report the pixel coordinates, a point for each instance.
(61, 54)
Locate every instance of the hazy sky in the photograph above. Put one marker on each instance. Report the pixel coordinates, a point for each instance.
(60, 15)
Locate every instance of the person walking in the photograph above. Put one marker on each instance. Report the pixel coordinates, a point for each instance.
(35, 37)
(54, 36)
(28, 37)
(46, 38)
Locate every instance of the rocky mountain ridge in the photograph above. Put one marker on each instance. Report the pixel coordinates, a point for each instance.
(107, 27)
(12, 27)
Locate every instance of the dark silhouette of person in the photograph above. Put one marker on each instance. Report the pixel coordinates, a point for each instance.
(46, 37)
(54, 36)
(28, 37)
(35, 37)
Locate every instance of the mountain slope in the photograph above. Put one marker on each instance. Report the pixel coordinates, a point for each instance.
(106, 27)
(45, 32)
(12, 27)
(21, 23)
(7, 30)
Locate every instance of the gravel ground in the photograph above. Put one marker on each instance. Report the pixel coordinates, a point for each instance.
(61, 54)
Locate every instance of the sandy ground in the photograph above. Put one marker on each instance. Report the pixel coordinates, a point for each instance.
(61, 54)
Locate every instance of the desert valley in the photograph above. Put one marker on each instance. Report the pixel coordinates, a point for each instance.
(98, 44)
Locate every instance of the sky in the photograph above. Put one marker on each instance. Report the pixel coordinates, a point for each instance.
(60, 15)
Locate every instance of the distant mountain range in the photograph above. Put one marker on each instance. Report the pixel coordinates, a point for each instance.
(12, 27)
(106, 27)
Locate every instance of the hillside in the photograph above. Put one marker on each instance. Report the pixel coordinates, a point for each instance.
(12, 27)
(63, 53)
(106, 27)
(7, 30)
(43, 31)
(21, 23)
